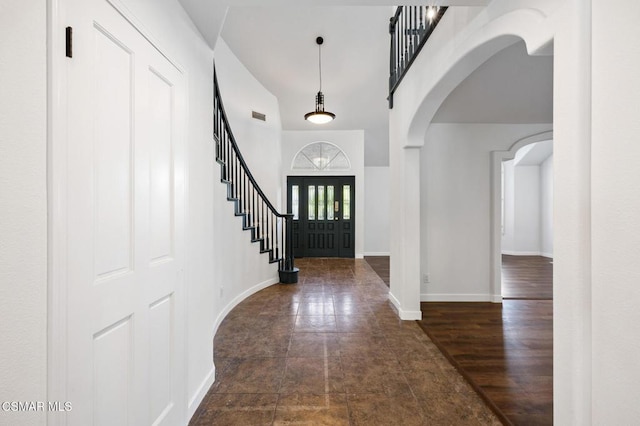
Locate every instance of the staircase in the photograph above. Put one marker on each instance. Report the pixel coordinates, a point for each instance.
(271, 230)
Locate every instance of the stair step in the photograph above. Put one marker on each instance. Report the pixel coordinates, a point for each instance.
(262, 240)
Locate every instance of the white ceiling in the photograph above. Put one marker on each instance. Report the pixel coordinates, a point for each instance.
(277, 45)
(208, 15)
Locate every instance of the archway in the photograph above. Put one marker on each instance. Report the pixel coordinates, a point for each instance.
(497, 159)
(434, 75)
(461, 188)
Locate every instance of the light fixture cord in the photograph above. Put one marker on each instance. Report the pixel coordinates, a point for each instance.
(320, 65)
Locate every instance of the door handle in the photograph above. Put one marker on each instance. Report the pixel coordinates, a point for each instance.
(336, 209)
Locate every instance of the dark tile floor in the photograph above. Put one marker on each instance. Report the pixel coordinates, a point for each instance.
(331, 351)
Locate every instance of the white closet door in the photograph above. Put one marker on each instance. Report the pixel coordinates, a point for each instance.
(125, 218)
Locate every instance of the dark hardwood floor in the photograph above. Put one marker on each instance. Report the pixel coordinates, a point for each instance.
(505, 351)
(527, 277)
(380, 264)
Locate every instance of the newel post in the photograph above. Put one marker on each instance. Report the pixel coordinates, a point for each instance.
(288, 272)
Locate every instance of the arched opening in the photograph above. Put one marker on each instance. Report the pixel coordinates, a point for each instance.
(526, 222)
(508, 98)
(524, 247)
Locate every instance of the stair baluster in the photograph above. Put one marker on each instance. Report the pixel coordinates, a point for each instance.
(408, 36)
(271, 229)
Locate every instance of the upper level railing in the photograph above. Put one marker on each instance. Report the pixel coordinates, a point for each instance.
(273, 230)
(410, 28)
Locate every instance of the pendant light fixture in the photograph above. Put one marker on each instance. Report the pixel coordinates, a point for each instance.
(319, 116)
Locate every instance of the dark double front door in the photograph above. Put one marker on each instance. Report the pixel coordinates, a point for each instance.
(323, 209)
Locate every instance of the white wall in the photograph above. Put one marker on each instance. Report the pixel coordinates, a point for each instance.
(466, 38)
(528, 208)
(456, 206)
(351, 142)
(615, 201)
(23, 207)
(240, 269)
(260, 145)
(546, 207)
(259, 141)
(508, 243)
(377, 193)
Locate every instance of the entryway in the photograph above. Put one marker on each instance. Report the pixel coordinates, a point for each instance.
(323, 352)
(323, 209)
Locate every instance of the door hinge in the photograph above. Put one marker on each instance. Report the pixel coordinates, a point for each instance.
(69, 42)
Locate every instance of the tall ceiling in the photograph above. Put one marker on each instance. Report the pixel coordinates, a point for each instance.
(277, 45)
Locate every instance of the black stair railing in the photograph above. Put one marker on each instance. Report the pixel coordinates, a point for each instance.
(271, 229)
(410, 28)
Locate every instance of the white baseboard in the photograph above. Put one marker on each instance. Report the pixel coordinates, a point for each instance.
(377, 253)
(394, 301)
(521, 253)
(200, 393)
(410, 315)
(402, 313)
(359, 256)
(202, 390)
(239, 298)
(527, 253)
(444, 297)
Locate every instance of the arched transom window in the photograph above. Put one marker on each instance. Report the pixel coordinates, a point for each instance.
(321, 156)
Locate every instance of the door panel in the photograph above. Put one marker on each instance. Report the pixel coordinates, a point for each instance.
(113, 153)
(161, 166)
(323, 215)
(113, 352)
(124, 259)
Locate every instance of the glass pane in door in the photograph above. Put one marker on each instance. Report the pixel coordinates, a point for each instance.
(321, 204)
(295, 201)
(346, 202)
(330, 204)
(312, 202)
